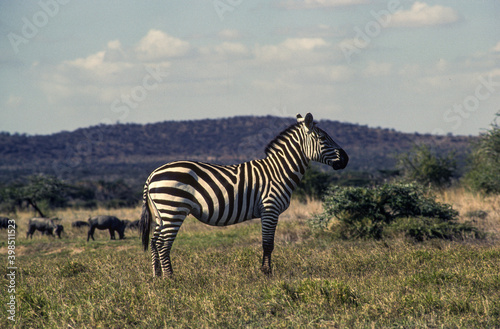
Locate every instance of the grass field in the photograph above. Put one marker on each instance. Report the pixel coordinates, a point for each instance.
(317, 281)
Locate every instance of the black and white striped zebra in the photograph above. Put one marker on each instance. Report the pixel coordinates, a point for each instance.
(223, 195)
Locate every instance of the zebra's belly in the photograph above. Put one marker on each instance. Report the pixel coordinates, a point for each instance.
(221, 221)
(175, 202)
(225, 214)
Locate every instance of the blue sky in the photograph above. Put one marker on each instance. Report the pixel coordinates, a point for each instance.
(415, 66)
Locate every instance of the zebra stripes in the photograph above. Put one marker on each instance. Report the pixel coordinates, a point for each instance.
(224, 195)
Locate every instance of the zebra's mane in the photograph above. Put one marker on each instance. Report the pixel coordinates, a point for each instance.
(281, 136)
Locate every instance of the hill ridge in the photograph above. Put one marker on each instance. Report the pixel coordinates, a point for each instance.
(131, 151)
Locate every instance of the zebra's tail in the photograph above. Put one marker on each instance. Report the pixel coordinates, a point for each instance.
(145, 223)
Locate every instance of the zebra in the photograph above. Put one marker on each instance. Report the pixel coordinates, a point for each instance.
(222, 195)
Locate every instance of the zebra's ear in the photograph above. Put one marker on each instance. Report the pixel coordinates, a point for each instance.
(299, 118)
(309, 121)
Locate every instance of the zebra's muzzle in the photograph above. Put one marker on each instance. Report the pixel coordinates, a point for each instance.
(341, 161)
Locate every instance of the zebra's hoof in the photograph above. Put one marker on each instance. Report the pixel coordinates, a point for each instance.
(266, 270)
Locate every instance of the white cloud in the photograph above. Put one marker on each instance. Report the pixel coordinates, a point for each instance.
(496, 49)
(90, 62)
(158, 45)
(298, 44)
(95, 79)
(231, 49)
(304, 82)
(101, 65)
(115, 53)
(288, 49)
(422, 14)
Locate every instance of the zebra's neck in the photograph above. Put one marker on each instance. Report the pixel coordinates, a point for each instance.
(286, 167)
(286, 156)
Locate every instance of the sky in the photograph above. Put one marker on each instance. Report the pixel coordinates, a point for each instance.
(413, 66)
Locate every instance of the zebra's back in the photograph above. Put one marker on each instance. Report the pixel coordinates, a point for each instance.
(215, 194)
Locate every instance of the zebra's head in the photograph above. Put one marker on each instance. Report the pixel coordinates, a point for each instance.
(319, 146)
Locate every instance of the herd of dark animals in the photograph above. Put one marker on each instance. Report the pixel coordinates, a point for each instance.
(49, 226)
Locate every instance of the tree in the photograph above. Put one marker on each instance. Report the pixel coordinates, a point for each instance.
(38, 191)
(314, 184)
(422, 165)
(483, 173)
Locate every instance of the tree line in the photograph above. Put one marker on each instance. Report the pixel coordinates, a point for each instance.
(131, 151)
(43, 194)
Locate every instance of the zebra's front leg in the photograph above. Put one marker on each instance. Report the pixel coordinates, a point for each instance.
(268, 230)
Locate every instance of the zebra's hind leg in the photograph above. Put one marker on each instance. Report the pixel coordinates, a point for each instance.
(167, 233)
(155, 257)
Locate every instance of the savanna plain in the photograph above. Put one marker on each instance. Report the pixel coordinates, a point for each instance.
(318, 281)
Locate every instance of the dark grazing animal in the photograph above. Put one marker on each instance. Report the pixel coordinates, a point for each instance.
(110, 223)
(79, 223)
(6, 221)
(59, 230)
(133, 225)
(224, 195)
(45, 226)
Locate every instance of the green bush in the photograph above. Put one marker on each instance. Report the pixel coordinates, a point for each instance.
(391, 208)
(483, 173)
(425, 166)
(313, 184)
(424, 228)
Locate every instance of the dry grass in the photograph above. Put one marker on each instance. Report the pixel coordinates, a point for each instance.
(302, 211)
(470, 205)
